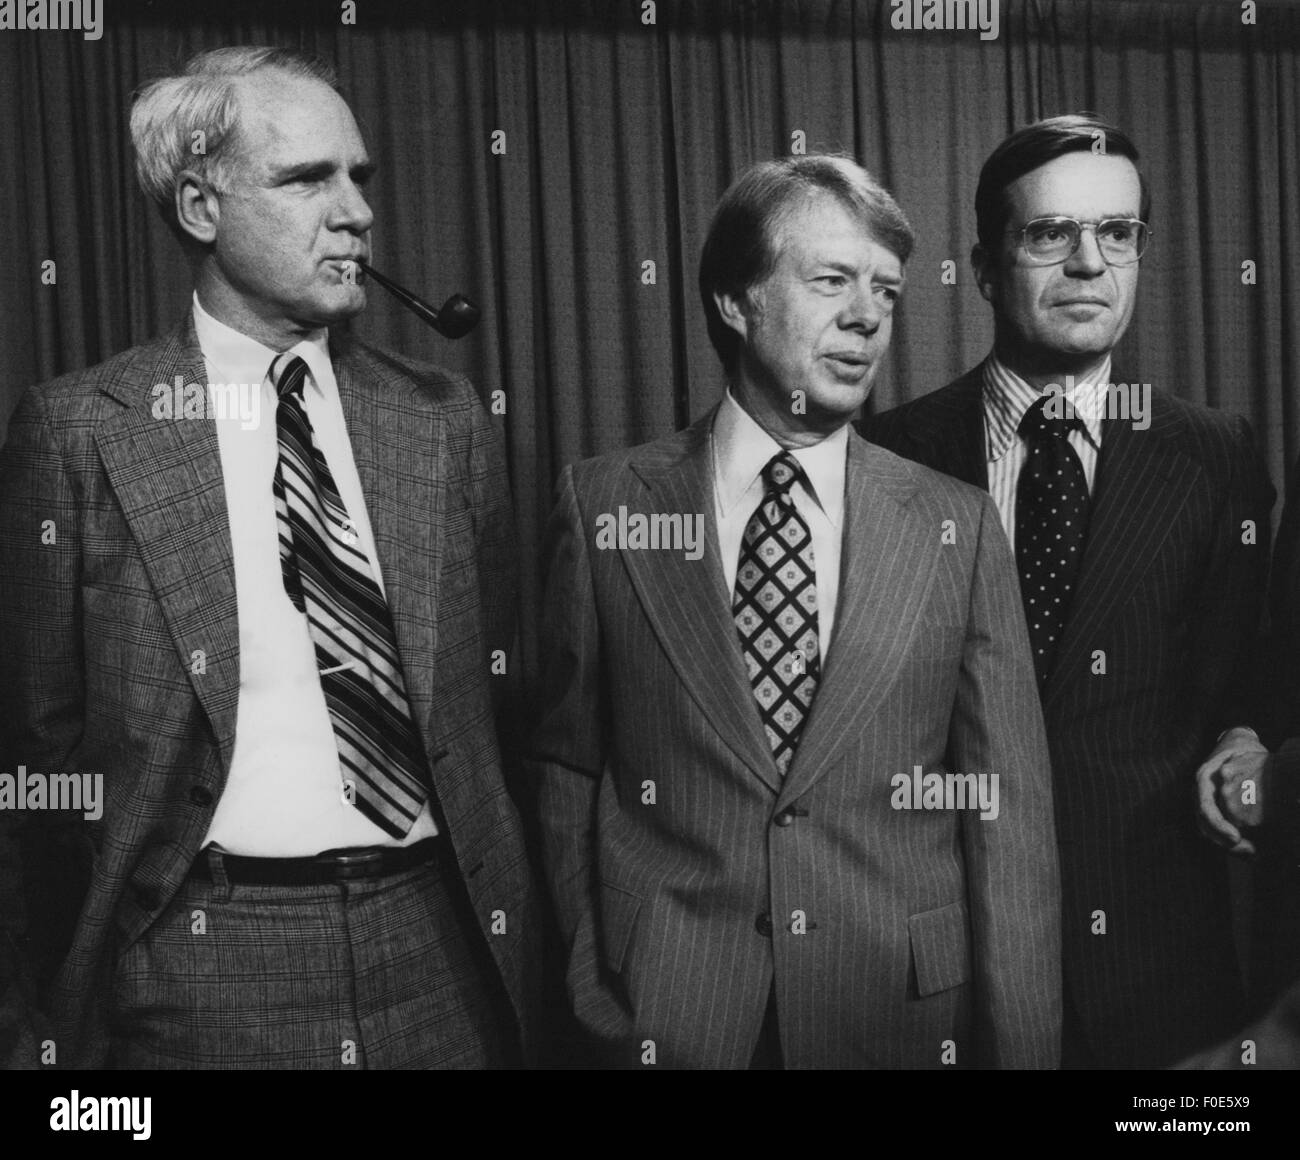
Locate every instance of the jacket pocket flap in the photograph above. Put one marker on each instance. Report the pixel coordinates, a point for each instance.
(940, 948)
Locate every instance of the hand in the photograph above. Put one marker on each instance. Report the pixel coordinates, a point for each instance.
(1229, 790)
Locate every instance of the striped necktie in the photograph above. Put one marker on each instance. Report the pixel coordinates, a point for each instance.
(328, 577)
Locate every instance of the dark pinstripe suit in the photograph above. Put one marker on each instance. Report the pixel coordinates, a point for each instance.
(670, 835)
(1275, 1037)
(1171, 595)
(1275, 960)
(98, 635)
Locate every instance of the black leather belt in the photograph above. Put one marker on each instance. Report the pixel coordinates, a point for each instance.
(329, 866)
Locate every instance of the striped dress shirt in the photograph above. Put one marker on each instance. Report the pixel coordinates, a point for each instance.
(1006, 399)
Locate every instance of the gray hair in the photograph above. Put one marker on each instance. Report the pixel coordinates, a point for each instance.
(741, 248)
(170, 111)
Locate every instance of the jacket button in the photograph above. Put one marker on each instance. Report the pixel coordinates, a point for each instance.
(763, 924)
(784, 818)
(200, 795)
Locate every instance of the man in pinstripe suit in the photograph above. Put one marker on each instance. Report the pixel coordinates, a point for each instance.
(1155, 610)
(737, 724)
(257, 892)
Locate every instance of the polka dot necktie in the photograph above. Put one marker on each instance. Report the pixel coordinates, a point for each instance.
(775, 608)
(328, 577)
(1051, 526)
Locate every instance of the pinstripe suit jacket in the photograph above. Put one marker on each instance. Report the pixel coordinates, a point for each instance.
(1171, 595)
(100, 631)
(672, 840)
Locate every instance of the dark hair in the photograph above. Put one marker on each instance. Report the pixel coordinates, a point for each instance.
(741, 248)
(1037, 144)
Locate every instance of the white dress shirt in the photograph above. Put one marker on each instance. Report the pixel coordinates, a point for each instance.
(284, 795)
(741, 449)
(1006, 399)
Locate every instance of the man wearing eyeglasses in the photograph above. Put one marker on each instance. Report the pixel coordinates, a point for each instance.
(1140, 526)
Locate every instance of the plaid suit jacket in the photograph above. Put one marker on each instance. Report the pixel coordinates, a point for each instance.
(119, 656)
(690, 877)
(1160, 631)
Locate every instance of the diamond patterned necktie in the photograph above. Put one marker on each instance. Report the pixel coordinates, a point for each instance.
(775, 608)
(1051, 527)
(328, 577)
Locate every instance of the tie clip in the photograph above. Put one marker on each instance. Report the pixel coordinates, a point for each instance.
(336, 668)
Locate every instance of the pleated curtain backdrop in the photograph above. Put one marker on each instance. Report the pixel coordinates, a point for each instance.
(579, 235)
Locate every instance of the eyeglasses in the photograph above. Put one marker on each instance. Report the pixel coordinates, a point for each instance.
(1050, 240)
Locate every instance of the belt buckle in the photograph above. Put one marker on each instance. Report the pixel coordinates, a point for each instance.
(350, 864)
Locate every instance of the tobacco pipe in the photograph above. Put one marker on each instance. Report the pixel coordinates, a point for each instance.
(456, 319)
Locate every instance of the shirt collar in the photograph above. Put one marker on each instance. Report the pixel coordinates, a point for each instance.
(741, 449)
(240, 359)
(1007, 397)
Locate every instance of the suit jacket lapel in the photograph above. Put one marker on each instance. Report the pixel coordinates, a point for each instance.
(391, 430)
(687, 601)
(1143, 480)
(948, 430)
(184, 540)
(166, 474)
(887, 559)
